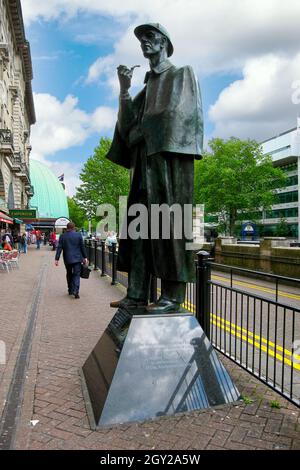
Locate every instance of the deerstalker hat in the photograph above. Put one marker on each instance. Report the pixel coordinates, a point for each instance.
(157, 27)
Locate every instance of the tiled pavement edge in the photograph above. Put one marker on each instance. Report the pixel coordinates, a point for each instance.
(67, 330)
(17, 292)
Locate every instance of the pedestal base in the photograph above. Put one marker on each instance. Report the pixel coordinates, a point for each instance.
(153, 366)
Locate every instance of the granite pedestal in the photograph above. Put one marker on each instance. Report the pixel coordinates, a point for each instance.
(153, 365)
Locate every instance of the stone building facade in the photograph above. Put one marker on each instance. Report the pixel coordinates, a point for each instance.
(17, 112)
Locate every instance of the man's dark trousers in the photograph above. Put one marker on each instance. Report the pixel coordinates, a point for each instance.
(73, 277)
(71, 243)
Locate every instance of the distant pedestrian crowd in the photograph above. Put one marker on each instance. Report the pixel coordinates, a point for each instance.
(19, 241)
(13, 241)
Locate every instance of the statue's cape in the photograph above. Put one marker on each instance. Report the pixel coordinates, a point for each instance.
(167, 114)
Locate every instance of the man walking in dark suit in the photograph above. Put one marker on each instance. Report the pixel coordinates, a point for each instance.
(71, 244)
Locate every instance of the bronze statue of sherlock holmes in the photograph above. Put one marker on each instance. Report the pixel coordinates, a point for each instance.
(158, 135)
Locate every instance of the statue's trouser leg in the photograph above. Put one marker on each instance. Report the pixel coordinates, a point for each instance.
(173, 290)
(138, 276)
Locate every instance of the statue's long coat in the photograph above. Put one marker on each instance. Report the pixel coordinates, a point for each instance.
(157, 137)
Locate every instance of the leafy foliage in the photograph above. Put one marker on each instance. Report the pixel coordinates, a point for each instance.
(247, 400)
(236, 180)
(77, 214)
(282, 229)
(275, 404)
(102, 181)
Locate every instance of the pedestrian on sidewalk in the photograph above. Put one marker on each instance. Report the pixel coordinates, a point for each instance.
(24, 242)
(38, 239)
(53, 240)
(6, 246)
(18, 244)
(7, 237)
(111, 240)
(71, 244)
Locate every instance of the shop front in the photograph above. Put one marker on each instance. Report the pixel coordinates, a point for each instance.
(6, 222)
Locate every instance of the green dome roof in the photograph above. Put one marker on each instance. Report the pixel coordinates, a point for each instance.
(49, 196)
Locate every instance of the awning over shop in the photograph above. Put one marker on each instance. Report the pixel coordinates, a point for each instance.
(18, 221)
(4, 218)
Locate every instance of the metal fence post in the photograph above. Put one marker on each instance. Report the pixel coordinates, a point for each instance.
(203, 275)
(114, 264)
(153, 289)
(95, 255)
(103, 258)
(87, 245)
(90, 251)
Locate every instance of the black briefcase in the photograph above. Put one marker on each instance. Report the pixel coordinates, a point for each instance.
(85, 271)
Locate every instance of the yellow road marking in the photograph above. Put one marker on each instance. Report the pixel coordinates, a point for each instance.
(258, 345)
(254, 340)
(221, 321)
(269, 290)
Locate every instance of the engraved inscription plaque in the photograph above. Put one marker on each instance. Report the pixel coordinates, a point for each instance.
(166, 365)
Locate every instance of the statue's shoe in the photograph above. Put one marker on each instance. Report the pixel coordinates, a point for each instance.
(163, 306)
(126, 302)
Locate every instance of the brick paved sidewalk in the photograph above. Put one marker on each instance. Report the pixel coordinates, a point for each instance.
(17, 289)
(65, 333)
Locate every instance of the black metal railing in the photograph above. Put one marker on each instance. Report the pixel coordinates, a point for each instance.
(256, 330)
(260, 333)
(104, 259)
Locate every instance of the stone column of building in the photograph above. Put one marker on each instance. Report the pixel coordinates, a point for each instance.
(17, 108)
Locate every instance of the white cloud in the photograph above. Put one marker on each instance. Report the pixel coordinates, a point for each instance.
(259, 38)
(61, 125)
(260, 104)
(100, 67)
(212, 36)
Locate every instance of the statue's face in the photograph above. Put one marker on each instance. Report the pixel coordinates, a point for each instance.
(152, 42)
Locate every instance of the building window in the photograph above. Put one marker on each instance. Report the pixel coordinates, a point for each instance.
(271, 230)
(292, 180)
(284, 198)
(289, 167)
(282, 213)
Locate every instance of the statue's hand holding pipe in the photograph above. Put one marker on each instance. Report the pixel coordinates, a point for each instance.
(125, 76)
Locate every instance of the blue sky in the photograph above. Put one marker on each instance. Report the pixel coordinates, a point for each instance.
(246, 56)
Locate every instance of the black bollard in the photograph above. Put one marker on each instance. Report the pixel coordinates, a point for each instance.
(95, 254)
(114, 264)
(103, 258)
(203, 271)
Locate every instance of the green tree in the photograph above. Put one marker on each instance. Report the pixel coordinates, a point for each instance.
(77, 214)
(102, 181)
(236, 180)
(282, 229)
